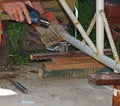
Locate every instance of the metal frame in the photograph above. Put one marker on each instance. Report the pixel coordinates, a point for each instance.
(89, 47)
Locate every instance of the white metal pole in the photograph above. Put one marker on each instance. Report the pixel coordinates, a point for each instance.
(99, 26)
(76, 14)
(85, 48)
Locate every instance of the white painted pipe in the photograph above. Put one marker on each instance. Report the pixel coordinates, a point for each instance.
(85, 48)
(76, 15)
(93, 21)
(99, 26)
(110, 37)
(77, 24)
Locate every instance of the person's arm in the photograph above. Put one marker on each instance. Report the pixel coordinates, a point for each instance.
(16, 10)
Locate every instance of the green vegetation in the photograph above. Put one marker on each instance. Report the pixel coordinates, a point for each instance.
(16, 32)
(84, 16)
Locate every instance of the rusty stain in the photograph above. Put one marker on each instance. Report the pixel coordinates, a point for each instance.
(77, 23)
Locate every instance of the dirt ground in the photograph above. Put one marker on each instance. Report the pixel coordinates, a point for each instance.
(73, 92)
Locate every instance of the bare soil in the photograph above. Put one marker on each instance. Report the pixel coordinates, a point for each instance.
(73, 92)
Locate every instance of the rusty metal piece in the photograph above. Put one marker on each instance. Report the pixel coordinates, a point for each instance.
(105, 79)
(112, 13)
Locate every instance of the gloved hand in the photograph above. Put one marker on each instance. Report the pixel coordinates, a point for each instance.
(33, 40)
(48, 37)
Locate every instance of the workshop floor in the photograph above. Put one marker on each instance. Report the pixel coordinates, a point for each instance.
(76, 92)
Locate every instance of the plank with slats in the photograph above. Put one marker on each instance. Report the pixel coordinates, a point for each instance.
(49, 66)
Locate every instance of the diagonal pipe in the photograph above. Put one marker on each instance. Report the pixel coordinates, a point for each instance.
(85, 48)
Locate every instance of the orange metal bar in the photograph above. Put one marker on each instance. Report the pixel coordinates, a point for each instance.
(0, 32)
(1, 29)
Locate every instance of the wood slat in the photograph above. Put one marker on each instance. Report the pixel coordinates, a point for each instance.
(45, 56)
(4, 74)
(49, 66)
(73, 60)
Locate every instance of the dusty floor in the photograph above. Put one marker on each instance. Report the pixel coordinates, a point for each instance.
(76, 92)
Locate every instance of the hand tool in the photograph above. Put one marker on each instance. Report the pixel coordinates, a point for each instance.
(18, 85)
(40, 21)
(36, 18)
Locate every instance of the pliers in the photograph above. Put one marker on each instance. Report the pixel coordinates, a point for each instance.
(37, 19)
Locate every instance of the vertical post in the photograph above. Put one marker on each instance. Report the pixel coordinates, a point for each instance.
(1, 32)
(99, 26)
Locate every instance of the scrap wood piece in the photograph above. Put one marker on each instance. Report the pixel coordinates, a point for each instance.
(45, 56)
(73, 60)
(105, 79)
(9, 74)
(49, 66)
(51, 55)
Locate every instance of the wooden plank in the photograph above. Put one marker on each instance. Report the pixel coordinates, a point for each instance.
(44, 56)
(73, 60)
(49, 66)
(10, 74)
(105, 79)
